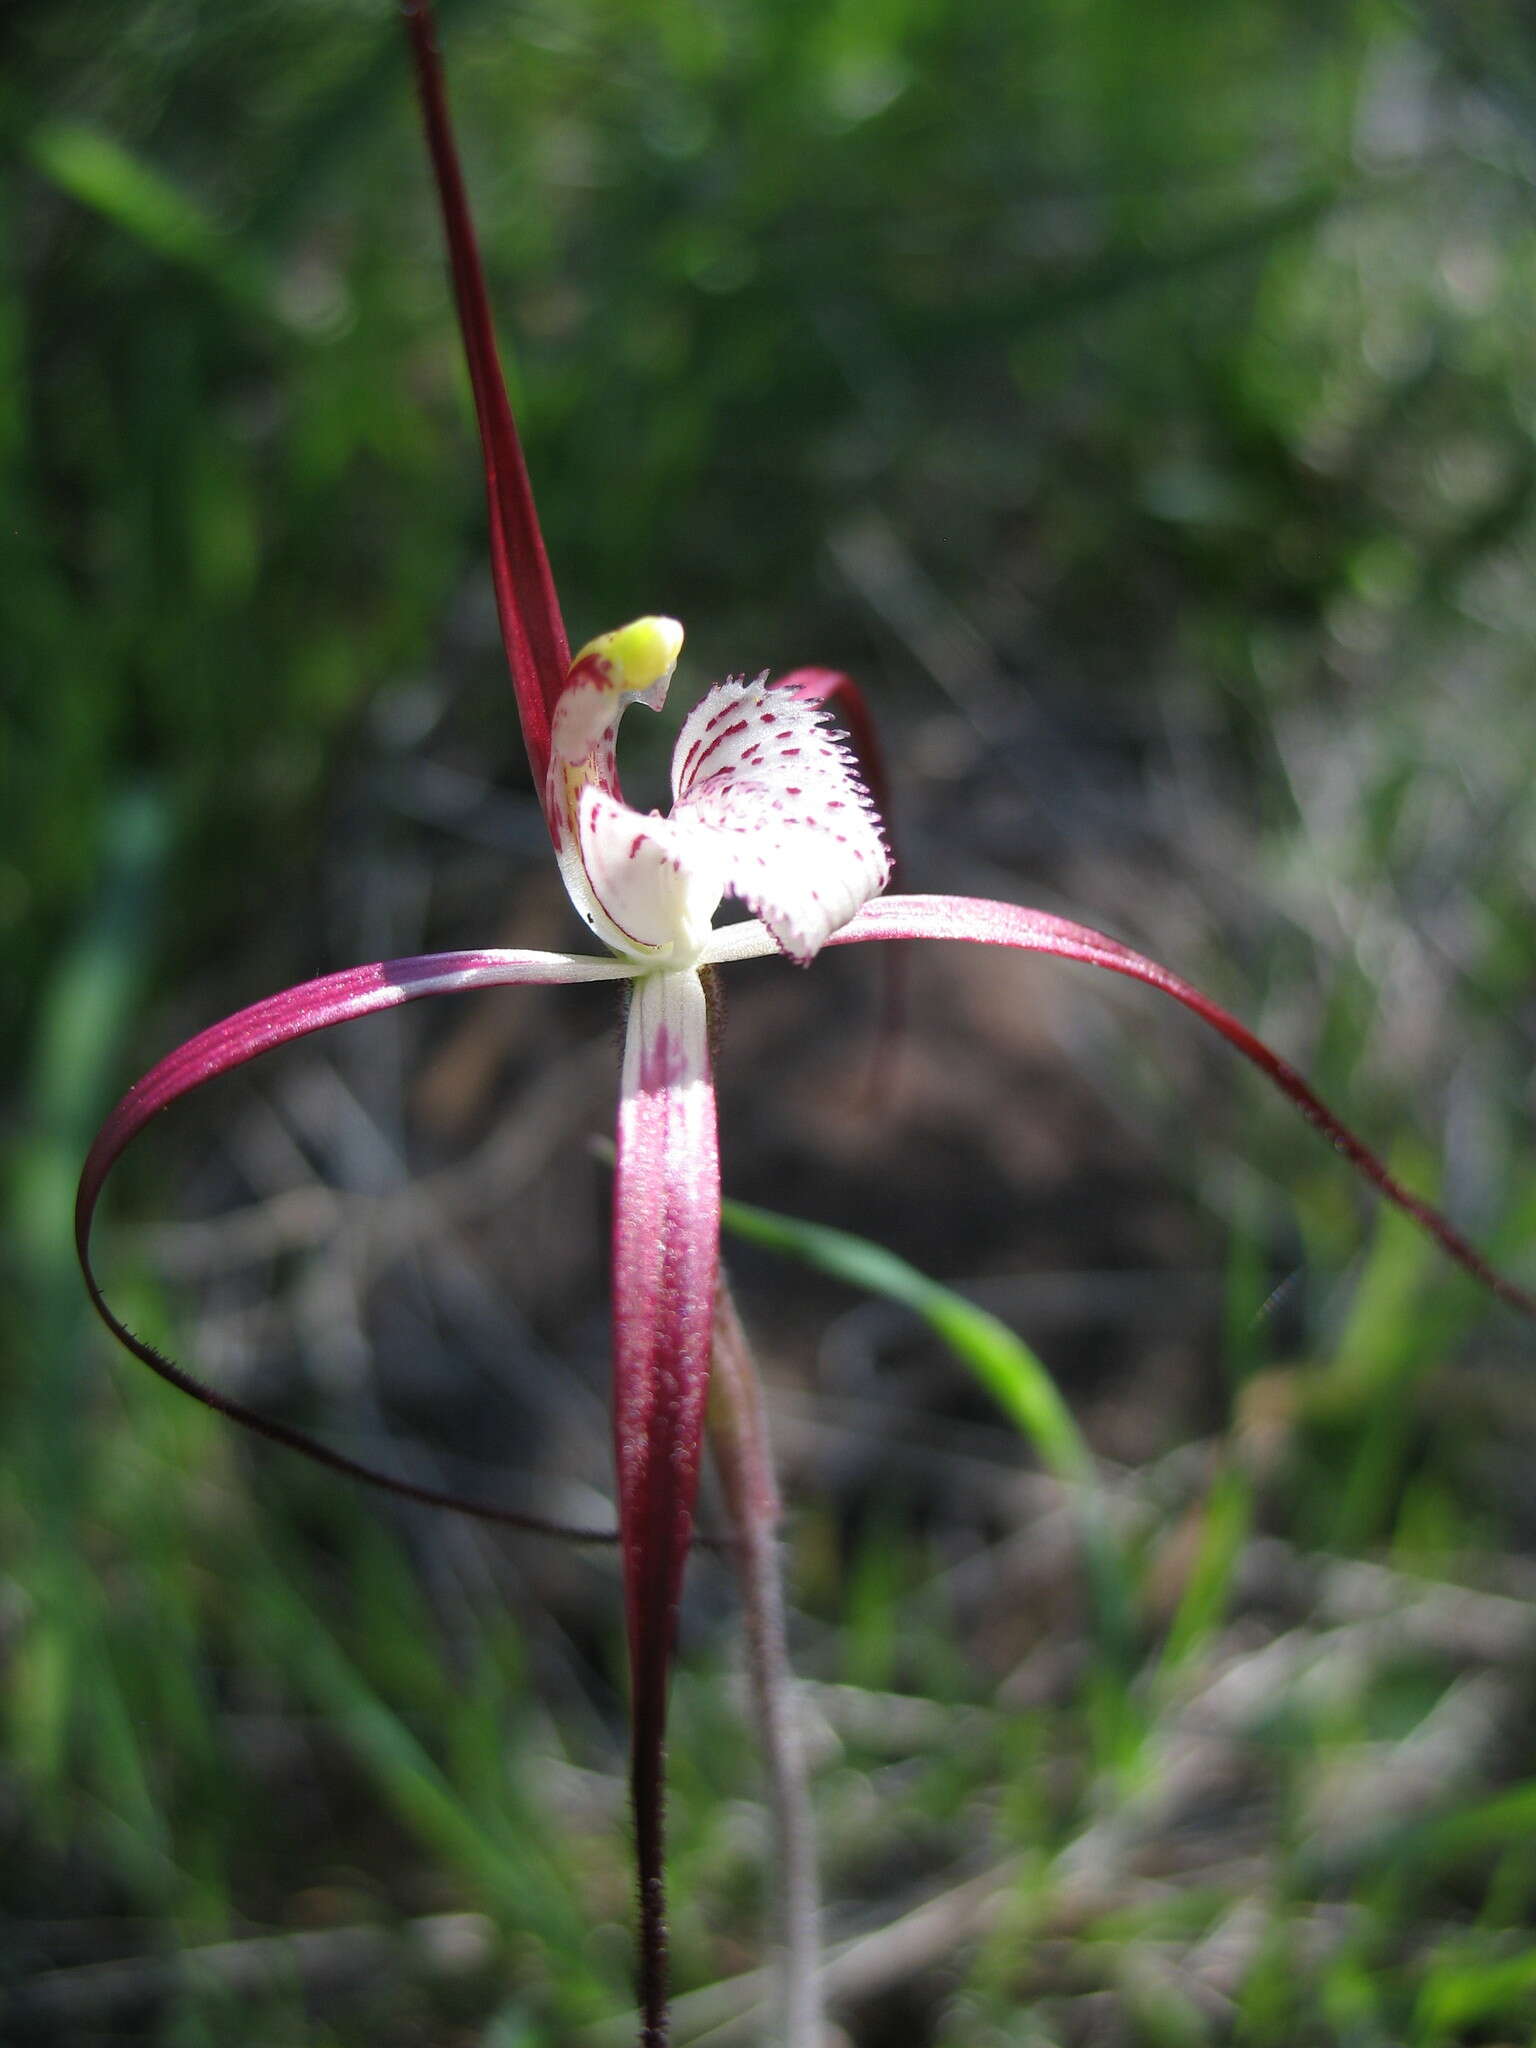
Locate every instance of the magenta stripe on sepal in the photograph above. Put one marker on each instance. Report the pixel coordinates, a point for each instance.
(1036, 931)
(531, 626)
(314, 1005)
(666, 1241)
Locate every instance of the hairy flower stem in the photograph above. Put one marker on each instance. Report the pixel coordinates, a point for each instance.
(739, 1438)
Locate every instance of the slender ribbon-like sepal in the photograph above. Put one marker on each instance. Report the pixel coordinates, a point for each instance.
(333, 999)
(666, 1247)
(531, 626)
(1036, 931)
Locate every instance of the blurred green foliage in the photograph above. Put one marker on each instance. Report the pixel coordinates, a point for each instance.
(1159, 375)
(1230, 304)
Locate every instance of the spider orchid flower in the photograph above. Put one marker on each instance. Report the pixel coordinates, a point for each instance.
(769, 808)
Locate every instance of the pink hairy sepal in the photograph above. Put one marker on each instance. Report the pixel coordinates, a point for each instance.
(981, 922)
(278, 1020)
(666, 1235)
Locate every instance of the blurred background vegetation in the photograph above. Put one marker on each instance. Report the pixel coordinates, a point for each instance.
(1139, 401)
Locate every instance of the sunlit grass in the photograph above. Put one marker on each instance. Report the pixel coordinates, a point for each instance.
(1146, 416)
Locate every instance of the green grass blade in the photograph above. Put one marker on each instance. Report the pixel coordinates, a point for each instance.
(97, 172)
(1013, 1374)
(1004, 1364)
(1225, 1523)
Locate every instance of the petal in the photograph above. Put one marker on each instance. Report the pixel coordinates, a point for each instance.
(1036, 931)
(531, 627)
(666, 1244)
(749, 940)
(334, 999)
(759, 770)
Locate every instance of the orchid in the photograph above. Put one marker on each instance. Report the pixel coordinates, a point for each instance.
(771, 807)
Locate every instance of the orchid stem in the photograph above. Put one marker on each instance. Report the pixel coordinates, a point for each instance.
(739, 1439)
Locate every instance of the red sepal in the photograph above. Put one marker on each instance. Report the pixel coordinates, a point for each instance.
(666, 1248)
(1036, 931)
(531, 626)
(313, 1006)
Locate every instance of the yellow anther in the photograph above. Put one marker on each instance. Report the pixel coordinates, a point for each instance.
(637, 656)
